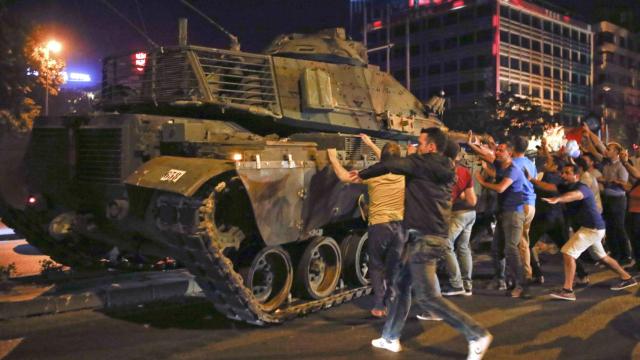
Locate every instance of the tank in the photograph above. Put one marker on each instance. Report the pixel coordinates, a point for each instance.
(216, 158)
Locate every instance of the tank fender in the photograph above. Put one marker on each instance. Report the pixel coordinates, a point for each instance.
(177, 174)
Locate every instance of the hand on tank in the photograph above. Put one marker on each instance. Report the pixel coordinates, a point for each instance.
(332, 154)
(411, 149)
(366, 139)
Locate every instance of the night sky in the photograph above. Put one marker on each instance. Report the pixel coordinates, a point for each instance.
(90, 31)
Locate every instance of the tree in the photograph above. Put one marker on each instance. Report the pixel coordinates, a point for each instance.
(502, 117)
(21, 51)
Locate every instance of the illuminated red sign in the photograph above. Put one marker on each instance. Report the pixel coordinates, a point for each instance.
(377, 24)
(139, 61)
(457, 4)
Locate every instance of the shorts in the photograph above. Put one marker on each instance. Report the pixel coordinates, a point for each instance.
(583, 239)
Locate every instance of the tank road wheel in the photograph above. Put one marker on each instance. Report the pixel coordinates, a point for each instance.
(319, 268)
(355, 259)
(269, 277)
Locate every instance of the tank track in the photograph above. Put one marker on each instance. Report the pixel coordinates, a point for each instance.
(199, 251)
(75, 255)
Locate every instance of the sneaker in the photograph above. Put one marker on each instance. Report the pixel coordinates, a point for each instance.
(427, 316)
(623, 284)
(519, 293)
(467, 292)
(477, 348)
(582, 281)
(453, 292)
(378, 313)
(563, 294)
(391, 345)
(499, 285)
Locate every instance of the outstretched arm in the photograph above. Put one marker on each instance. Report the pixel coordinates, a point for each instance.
(484, 152)
(340, 171)
(376, 150)
(566, 197)
(499, 187)
(624, 159)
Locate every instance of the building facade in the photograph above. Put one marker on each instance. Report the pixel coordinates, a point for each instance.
(476, 48)
(617, 80)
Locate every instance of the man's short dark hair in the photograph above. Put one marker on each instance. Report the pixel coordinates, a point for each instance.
(520, 144)
(559, 161)
(389, 151)
(590, 156)
(436, 136)
(451, 150)
(574, 167)
(582, 163)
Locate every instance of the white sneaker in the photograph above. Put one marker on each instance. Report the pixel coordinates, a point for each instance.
(427, 316)
(477, 348)
(391, 345)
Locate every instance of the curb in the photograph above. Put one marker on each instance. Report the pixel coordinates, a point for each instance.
(156, 286)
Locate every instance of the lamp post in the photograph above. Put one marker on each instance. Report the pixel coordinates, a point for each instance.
(55, 47)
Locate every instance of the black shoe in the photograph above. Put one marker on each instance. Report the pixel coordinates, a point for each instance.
(563, 294)
(453, 292)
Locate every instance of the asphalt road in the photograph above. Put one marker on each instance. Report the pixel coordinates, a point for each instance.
(602, 324)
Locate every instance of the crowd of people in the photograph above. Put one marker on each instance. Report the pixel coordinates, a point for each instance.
(422, 210)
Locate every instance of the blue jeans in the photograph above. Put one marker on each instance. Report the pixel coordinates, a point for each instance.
(460, 264)
(505, 246)
(419, 271)
(384, 246)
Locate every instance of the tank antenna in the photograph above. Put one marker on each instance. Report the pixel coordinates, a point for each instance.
(140, 31)
(235, 43)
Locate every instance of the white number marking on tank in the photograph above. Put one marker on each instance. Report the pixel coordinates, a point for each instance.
(173, 175)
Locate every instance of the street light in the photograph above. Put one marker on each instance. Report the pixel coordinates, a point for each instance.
(55, 47)
(605, 125)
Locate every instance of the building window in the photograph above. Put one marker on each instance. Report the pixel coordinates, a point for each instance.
(556, 51)
(583, 80)
(483, 61)
(535, 92)
(574, 56)
(504, 61)
(556, 29)
(451, 66)
(467, 63)
(451, 18)
(565, 76)
(481, 85)
(583, 38)
(451, 90)
(574, 78)
(565, 98)
(547, 49)
(504, 12)
(466, 39)
(547, 25)
(547, 94)
(535, 69)
(566, 32)
(514, 88)
(524, 66)
(484, 10)
(515, 64)
(524, 42)
(484, 35)
(535, 22)
(556, 74)
(504, 86)
(466, 87)
(574, 35)
(574, 99)
(566, 54)
(556, 95)
(450, 43)
(525, 19)
(583, 100)
(504, 36)
(547, 71)
(434, 69)
(435, 46)
(514, 40)
(514, 15)
(535, 45)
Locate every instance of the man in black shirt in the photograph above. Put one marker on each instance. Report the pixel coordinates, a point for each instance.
(429, 177)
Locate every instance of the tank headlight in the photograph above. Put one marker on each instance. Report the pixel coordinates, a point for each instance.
(32, 200)
(236, 157)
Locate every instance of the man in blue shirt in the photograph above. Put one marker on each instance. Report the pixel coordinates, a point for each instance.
(581, 206)
(520, 145)
(510, 182)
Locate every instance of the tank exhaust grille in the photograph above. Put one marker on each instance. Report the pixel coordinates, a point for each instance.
(100, 155)
(191, 75)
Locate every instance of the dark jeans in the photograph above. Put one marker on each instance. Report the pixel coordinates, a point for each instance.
(419, 271)
(384, 246)
(615, 209)
(558, 230)
(505, 246)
